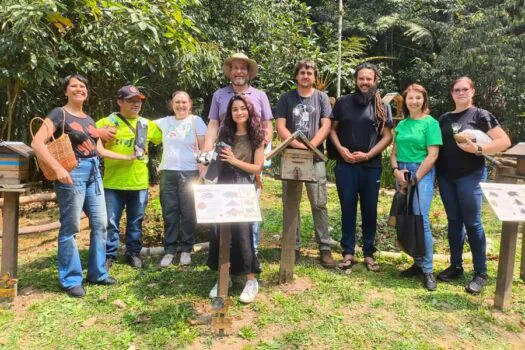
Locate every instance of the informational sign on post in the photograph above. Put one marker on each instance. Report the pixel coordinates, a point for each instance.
(507, 200)
(226, 203)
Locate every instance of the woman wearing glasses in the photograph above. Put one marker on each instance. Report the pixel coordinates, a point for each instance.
(460, 168)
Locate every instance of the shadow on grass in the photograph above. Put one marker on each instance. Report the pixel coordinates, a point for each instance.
(40, 274)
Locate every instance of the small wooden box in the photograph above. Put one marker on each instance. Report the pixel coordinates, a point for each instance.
(521, 166)
(297, 164)
(14, 169)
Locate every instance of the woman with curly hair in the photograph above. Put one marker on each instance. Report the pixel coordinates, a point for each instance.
(243, 132)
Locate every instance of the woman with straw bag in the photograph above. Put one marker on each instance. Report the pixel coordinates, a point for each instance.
(80, 189)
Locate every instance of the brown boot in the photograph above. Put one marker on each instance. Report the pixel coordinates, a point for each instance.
(327, 260)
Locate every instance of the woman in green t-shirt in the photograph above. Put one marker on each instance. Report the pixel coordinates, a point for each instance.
(416, 147)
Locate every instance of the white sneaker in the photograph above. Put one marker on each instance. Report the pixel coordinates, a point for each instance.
(250, 291)
(167, 260)
(185, 258)
(213, 291)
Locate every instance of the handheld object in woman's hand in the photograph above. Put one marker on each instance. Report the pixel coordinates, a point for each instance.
(476, 136)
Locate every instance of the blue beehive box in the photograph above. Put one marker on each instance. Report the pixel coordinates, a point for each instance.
(14, 162)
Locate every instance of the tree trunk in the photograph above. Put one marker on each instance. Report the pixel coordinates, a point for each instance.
(84, 224)
(13, 89)
(38, 197)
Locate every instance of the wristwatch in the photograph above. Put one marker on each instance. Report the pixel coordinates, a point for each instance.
(479, 151)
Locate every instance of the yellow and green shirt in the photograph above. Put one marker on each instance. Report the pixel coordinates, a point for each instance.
(125, 174)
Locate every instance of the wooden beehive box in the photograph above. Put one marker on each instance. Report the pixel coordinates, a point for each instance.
(518, 151)
(14, 162)
(297, 164)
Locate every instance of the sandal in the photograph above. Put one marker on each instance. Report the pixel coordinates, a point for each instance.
(371, 265)
(347, 263)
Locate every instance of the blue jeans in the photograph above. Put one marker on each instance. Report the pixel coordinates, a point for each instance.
(178, 209)
(85, 194)
(135, 202)
(426, 192)
(353, 181)
(462, 199)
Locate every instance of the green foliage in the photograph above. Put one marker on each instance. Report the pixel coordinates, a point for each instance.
(111, 42)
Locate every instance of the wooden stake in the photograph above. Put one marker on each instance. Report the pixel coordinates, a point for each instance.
(10, 229)
(290, 222)
(522, 266)
(507, 250)
(507, 254)
(225, 236)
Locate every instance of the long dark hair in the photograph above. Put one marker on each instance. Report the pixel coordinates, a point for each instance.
(255, 127)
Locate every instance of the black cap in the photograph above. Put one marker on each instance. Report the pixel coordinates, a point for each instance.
(129, 91)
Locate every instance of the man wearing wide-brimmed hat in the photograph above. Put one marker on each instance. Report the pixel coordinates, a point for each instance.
(240, 70)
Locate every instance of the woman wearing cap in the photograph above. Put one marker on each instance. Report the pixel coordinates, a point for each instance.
(182, 137)
(79, 190)
(460, 169)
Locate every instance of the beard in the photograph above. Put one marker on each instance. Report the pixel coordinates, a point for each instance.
(240, 81)
(364, 98)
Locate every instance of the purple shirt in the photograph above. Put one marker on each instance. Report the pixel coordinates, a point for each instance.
(222, 97)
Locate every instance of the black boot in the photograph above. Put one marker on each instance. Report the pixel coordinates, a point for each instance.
(412, 271)
(429, 281)
(476, 285)
(450, 273)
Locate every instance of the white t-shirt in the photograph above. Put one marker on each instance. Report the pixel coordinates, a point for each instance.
(178, 142)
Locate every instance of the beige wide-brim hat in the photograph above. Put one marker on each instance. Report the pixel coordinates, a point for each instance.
(253, 67)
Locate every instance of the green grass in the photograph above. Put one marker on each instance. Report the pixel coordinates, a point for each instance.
(323, 309)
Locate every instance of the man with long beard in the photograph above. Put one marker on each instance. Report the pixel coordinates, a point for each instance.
(361, 130)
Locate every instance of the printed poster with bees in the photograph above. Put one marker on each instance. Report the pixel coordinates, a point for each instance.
(226, 203)
(507, 200)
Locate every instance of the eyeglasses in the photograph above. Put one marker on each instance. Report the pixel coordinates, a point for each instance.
(460, 91)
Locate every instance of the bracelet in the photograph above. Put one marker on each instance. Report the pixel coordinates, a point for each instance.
(394, 169)
(479, 151)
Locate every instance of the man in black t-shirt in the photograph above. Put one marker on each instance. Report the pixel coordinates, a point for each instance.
(361, 130)
(308, 110)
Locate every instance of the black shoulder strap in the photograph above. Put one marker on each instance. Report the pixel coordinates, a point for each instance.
(127, 123)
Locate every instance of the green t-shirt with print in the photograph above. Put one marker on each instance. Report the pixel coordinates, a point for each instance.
(125, 174)
(413, 136)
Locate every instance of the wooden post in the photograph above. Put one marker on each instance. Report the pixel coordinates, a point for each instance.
(10, 233)
(522, 266)
(507, 255)
(225, 236)
(507, 250)
(290, 222)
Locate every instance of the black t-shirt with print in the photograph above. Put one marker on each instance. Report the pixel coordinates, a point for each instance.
(82, 131)
(356, 130)
(453, 162)
(304, 113)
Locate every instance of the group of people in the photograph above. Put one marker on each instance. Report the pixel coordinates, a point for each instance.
(359, 128)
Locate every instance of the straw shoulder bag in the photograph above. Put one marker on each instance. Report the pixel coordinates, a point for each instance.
(61, 149)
